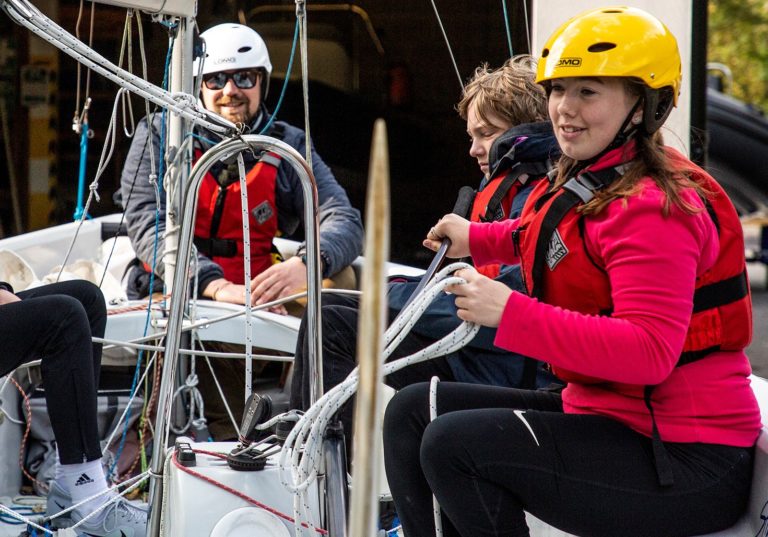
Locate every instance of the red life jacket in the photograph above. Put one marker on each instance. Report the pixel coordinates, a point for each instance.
(219, 227)
(551, 245)
(493, 201)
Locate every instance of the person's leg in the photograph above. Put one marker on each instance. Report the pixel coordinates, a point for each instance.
(53, 325)
(339, 317)
(587, 475)
(407, 417)
(92, 300)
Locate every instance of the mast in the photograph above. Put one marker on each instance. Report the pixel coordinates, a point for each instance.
(178, 177)
(178, 165)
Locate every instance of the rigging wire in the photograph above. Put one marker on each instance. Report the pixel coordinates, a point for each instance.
(527, 27)
(448, 44)
(285, 82)
(301, 20)
(80, 121)
(157, 187)
(506, 27)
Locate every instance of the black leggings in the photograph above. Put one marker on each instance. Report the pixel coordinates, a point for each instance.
(55, 323)
(487, 463)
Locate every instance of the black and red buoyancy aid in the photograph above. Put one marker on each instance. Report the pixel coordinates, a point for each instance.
(493, 201)
(551, 246)
(218, 224)
(551, 243)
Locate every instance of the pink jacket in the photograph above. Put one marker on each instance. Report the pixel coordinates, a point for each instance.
(652, 261)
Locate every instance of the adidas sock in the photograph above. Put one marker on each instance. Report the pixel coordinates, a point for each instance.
(82, 481)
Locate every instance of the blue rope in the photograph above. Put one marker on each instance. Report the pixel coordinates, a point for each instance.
(203, 138)
(285, 82)
(20, 509)
(159, 184)
(81, 171)
(506, 26)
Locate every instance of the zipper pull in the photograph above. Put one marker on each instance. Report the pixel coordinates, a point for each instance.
(516, 242)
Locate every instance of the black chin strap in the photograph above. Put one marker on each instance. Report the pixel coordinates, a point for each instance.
(625, 133)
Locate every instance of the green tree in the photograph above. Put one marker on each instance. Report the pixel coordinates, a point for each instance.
(738, 38)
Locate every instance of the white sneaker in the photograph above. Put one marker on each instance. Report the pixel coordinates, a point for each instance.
(58, 500)
(120, 519)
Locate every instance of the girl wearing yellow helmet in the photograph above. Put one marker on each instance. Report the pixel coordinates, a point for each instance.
(633, 261)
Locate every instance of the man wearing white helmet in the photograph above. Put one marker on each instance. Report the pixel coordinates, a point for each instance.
(235, 70)
(234, 52)
(235, 74)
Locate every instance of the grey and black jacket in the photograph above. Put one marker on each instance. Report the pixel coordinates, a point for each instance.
(341, 230)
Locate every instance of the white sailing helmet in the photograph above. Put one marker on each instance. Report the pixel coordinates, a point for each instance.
(231, 46)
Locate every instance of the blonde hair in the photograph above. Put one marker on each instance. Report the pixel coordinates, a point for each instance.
(509, 92)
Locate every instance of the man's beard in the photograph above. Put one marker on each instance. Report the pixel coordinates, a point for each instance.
(239, 116)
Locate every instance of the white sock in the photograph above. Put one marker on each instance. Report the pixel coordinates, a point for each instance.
(82, 481)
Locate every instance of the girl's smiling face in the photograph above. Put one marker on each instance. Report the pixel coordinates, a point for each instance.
(587, 113)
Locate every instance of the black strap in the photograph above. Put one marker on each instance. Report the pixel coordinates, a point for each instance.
(528, 379)
(688, 357)
(532, 169)
(557, 211)
(495, 202)
(721, 293)
(575, 191)
(660, 455)
(216, 247)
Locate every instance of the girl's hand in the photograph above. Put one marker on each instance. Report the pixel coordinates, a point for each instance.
(6, 297)
(481, 300)
(452, 227)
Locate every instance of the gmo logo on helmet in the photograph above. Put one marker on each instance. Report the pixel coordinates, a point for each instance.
(569, 62)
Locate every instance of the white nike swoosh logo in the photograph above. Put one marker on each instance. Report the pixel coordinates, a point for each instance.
(519, 414)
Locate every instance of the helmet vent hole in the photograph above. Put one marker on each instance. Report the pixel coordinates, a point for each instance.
(601, 47)
(545, 53)
(241, 50)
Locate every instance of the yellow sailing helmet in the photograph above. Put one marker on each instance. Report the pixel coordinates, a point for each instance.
(618, 41)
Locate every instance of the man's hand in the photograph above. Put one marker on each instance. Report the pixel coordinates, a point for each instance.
(222, 290)
(279, 280)
(6, 297)
(481, 300)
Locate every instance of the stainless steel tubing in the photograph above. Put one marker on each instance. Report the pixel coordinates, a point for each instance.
(223, 151)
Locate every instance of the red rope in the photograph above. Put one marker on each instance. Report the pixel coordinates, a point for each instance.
(22, 448)
(156, 306)
(237, 492)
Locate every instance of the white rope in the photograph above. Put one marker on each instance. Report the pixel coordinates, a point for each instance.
(127, 408)
(448, 44)
(432, 416)
(106, 155)
(132, 483)
(301, 454)
(196, 402)
(22, 518)
(247, 275)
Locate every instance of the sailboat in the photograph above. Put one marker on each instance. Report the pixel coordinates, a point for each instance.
(192, 488)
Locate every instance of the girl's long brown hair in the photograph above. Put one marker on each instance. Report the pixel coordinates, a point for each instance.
(650, 161)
